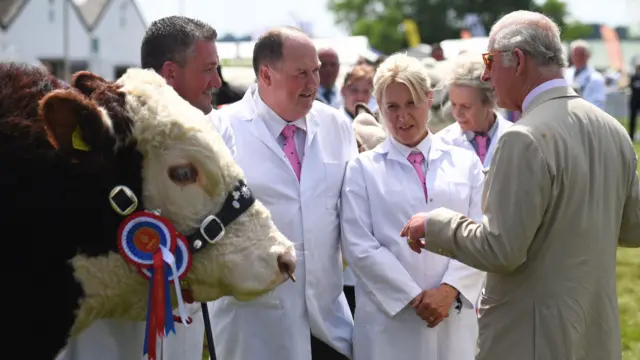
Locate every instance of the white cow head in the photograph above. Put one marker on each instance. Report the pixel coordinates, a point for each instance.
(151, 150)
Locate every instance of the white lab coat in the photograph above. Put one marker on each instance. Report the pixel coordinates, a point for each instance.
(590, 85)
(277, 326)
(380, 193)
(454, 135)
(111, 339)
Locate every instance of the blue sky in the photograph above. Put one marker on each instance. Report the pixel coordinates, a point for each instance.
(251, 16)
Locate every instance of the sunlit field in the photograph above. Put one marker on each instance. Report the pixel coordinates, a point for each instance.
(629, 298)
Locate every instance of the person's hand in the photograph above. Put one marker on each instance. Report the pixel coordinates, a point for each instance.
(433, 305)
(414, 231)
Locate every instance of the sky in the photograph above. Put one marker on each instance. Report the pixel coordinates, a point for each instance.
(241, 17)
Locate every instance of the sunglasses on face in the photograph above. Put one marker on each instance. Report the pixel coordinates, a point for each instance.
(488, 59)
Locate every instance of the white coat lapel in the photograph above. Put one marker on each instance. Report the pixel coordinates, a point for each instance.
(459, 137)
(259, 129)
(503, 124)
(312, 129)
(392, 153)
(435, 153)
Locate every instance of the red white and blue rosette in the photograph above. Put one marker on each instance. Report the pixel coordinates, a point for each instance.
(183, 261)
(149, 241)
(142, 234)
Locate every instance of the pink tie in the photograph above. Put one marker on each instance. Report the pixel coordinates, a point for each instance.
(416, 158)
(290, 149)
(481, 140)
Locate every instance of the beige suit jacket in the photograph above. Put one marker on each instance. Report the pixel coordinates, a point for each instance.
(560, 195)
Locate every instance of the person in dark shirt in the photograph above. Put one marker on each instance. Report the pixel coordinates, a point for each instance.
(634, 101)
(227, 93)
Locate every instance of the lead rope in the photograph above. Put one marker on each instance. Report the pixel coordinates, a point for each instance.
(207, 329)
(188, 298)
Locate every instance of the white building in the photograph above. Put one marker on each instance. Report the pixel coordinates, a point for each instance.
(116, 29)
(103, 35)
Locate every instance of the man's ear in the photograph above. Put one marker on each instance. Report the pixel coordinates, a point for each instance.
(87, 82)
(168, 72)
(75, 123)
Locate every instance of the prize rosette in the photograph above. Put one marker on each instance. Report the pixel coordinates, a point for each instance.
(148, 242)
(183, 261)
(142, 234)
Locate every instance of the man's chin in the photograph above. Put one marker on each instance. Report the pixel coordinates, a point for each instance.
(205, 107)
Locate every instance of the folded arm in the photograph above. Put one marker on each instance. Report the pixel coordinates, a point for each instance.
(516, 195)
(376, 268)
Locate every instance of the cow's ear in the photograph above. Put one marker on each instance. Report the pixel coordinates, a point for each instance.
(74, 123)
(87, 82)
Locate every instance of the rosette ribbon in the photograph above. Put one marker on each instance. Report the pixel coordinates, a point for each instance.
(149, 241)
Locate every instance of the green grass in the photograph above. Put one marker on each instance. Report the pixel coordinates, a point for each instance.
(628, 299)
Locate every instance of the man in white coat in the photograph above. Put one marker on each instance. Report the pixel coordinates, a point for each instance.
(584, 78)
(293, 151)
(184, 52)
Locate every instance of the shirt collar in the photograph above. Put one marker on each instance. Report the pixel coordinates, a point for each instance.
(273, 121)
(540, 89)
(492, 130)
(424, 147)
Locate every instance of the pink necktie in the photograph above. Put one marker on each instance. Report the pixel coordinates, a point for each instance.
(481, 140)
(290, 149)
(416, 158)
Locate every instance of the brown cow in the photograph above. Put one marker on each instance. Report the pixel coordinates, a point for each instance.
(75, 161)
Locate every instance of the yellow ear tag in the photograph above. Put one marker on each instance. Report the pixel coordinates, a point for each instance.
(77, 142)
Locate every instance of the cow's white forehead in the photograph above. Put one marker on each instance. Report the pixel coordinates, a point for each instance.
(160, 115)
(170, 132)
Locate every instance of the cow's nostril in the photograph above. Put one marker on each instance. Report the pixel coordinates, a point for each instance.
(287, 265)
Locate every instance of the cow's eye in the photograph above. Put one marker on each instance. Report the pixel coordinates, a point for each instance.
(183, 174)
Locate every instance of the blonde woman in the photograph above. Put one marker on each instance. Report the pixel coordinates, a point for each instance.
(409, 306)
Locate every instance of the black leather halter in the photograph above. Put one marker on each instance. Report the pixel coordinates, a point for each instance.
(211, 229)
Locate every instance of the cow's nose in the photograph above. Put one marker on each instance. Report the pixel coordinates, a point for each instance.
(287, 265)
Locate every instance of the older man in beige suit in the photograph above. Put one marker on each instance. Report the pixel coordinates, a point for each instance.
(560, 195)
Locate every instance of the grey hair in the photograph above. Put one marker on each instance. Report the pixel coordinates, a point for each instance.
(467, 71)
(580, 44)
(533, 33)
(171, 39)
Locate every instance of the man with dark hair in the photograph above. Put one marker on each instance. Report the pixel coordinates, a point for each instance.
(183, 51)
(293, 151)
